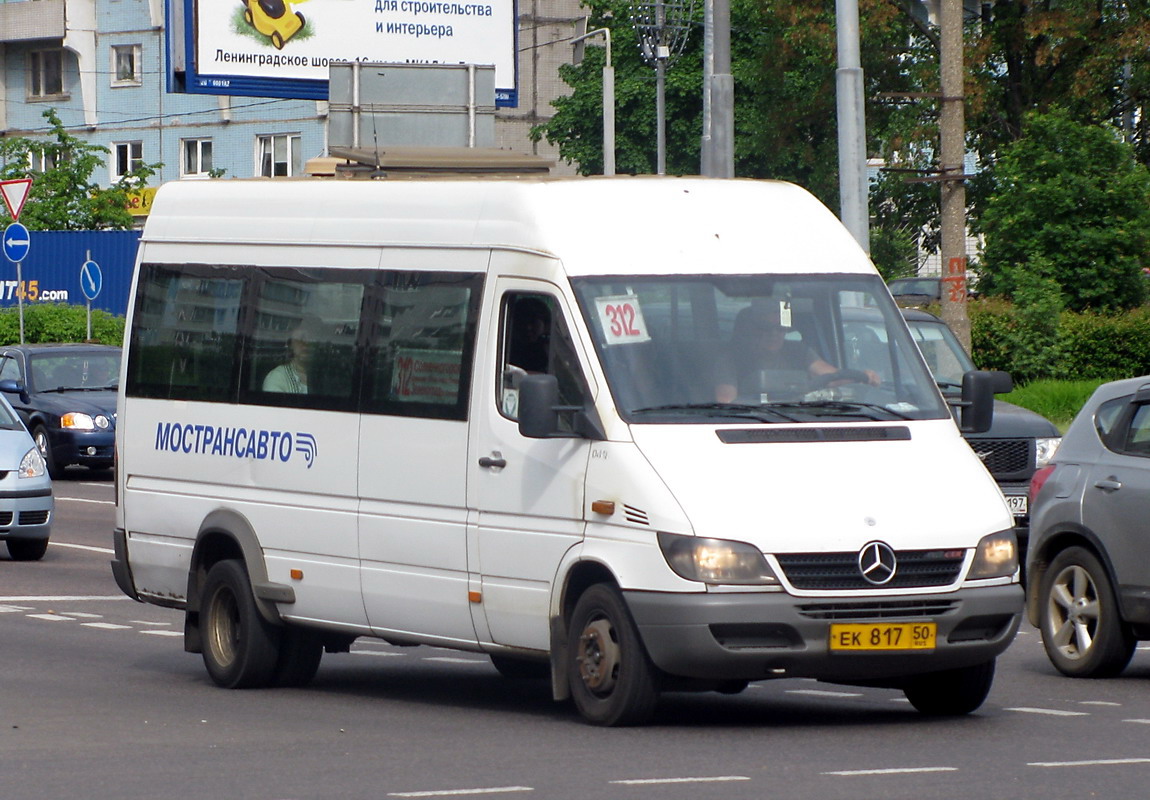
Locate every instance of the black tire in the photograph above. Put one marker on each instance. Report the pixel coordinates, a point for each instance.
(240, 648)
(612, 680)
(44, 445)
(952, 692)
(1082, 629)
(521, 669)
(300, 652)
(27, 549)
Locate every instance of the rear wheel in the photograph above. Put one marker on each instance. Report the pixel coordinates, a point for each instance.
(1082, 631)
(27, 549)
(952, 692)
(300, 652)
(612, 680)
(241, 649)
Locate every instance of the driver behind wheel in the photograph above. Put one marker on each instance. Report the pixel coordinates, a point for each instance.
(764, 365)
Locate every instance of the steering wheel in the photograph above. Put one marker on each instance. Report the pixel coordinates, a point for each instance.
(844, 375)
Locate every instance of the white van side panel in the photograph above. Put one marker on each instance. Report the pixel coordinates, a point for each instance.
(294, 486)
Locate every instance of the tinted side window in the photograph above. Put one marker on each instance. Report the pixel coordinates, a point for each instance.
(185, 331)
(537, 339)
(300, 349)
(419, 344)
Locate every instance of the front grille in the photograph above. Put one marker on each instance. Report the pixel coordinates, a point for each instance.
(5, 519)
(31, 517)
(1005, 457)
(878, 610)
(916, 569)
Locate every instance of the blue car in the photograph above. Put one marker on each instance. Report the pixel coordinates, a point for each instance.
(66, 396)
(25, 490)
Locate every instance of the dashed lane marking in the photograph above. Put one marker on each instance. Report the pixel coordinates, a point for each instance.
(88, 500)
(823, 693)
(449, 660)
(457, 792)
(62, 598)
(105, 626)
(1102, 762)
(162, 633)
(106, 550)
(892, 771)
(1052, 712)
(655, 781)
(51, 617)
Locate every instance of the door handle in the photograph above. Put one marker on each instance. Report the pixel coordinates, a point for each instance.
(494, 461)
(1110, 484)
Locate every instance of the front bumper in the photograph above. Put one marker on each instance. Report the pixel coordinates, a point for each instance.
(88, 448)
(753, 636)
(25, 513)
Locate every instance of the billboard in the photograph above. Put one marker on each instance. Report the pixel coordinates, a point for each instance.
(283, 48)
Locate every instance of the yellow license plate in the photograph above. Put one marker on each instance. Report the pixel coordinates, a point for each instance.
(884, 636)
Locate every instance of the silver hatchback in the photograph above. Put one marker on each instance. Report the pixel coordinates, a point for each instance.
(25, 490)
(1089, 556)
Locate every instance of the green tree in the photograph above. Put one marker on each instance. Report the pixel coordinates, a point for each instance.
(64, 196)
(1070, 204)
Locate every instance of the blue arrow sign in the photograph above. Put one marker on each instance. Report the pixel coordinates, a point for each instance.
(16, 242)
(91, 279)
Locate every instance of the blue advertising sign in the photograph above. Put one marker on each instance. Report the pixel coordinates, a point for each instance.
(49, 269)
(91, 279)
(16, 242)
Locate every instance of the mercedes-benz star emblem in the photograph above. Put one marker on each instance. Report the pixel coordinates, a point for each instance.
(877, 562)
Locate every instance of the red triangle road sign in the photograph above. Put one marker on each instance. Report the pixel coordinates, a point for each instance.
(15, 192)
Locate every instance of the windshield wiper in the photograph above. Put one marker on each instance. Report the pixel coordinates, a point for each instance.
(844, 407)
(720, 409)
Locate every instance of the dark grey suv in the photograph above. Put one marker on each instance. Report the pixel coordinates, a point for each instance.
(1089, 557)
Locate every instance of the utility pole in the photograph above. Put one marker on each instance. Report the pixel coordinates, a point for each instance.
(853, 190)
(952, 154)
(717, 153)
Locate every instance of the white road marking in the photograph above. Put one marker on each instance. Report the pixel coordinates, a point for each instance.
(653, 781)
(456, 792)
(147, 622)
(81, 615)
(377, 653)
(14, 609)
(106, 626)
(163, 633)
(1098, 703)
(823, 693)
(51, 617)
(1140, 721)
(86, 500)
(106, 550)
(895, 771)
(1052, 712)
(1104, 762)
(449, 660)
(61, 598)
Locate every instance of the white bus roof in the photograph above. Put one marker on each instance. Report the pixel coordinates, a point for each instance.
(633, 225)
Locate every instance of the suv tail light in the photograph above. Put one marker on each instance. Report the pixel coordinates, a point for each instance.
(1038, 479)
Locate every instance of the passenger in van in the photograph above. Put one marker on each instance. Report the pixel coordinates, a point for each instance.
(530, 334)
(764, 362)
(291, 376)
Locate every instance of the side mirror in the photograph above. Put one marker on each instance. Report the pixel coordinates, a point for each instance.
(1001, 382)
(538, 406)
(977, 404)
(12, 386)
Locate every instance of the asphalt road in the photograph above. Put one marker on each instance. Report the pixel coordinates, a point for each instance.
(98, 700)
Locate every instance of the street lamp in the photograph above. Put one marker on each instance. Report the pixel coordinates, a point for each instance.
(608, 91)
(663, 27)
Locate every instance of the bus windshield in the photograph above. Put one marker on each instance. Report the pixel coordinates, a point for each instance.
(770, 348)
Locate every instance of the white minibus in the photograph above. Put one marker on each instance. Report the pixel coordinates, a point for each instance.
(619, 433)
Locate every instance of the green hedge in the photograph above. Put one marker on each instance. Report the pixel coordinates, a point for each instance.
(58, 322)
(1086, 346)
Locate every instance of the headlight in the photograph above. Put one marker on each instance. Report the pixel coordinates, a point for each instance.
(1044, 450)
(716, 561)
(81, 422)
(995, 557)
(32, 464)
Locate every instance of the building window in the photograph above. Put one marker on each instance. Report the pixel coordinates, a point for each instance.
(197, 158)
(126, 65)
(45, 73)
(279, 156)
(45, 158)
(126, 156)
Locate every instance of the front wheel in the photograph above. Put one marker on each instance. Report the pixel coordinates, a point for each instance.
(241, 649)
(44, 445)
(1081, 628)
(952, 692)
(27, 549)
(613, 682)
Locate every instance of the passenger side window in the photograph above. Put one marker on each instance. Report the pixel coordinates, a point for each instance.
(1138, 435)
(184, 334)
(10, 369)
(536, 339)
(302, 347)
(421, 343)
